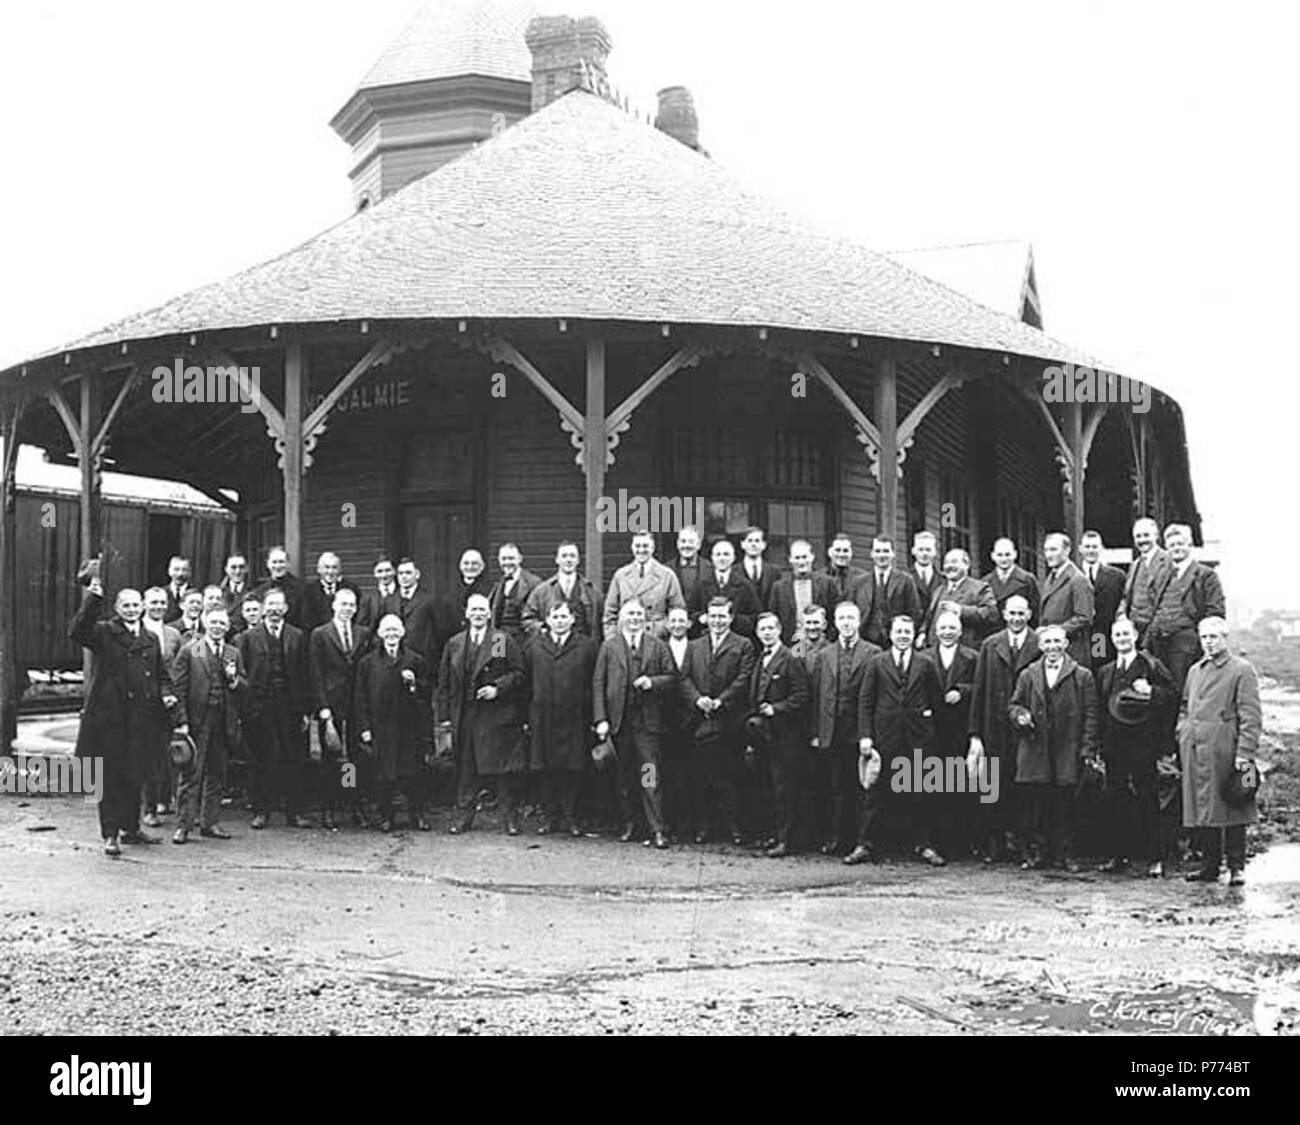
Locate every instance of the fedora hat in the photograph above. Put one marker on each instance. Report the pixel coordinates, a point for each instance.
(1241, 785)
(181, 750)
(1128, 708)
(868, 769)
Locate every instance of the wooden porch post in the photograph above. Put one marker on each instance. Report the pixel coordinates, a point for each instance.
(886, 410)
(292, 464)
(91, 478)
(594, 453)
(1075, 499)
(10, 688)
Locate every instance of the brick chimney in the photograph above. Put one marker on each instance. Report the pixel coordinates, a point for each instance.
(677, 117)
(560, 45)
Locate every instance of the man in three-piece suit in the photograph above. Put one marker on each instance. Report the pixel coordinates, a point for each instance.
(417, 610)
(715, 685)
(836, 691)
(276, 713)
(755, 568)
(394, 689)
(127, 698)
(511, 591)
(798, 590)
(1066, 598)
(333, 652)
(1150, 561)
(1184, 595)
(1107, 591)
(158, 779)
(634, 678)
(481, 704)
(885, 593)
(924, 571)
(896, 708)
(316, 599)
(1008, 580)
(956, 814)
(691, 568)
(1002, 657)
(778, 697)
(969, 598)
(1135, 698)
(646, 581)
(726, 581)
(210, 685)
(566, 585)
(379, 602)
(679, 740)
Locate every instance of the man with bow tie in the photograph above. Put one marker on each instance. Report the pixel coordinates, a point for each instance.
(378, 603)
(778, 696)
(560, 663)
(1107, 584)
(632, 681)
(1135, 698)
(481, 705)
(755, 568)
(1066, 598)
(647, 581)
(277, 713)
(210, 685)
(566, 585)
(316, 602)
(1054, 713)
(511, 592)
(836, 690)
(128, 695)
(234, 588)
(1002, 657)
(178, 583)
(334, 651)
(394, 690)
(715, 686)
(896, 708)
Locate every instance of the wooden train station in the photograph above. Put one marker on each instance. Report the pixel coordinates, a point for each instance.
(543, 299)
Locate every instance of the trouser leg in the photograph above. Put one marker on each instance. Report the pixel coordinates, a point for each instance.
(213, 774)
(1211, 841)
(468, 781)
(649, 779)
(1235, 845)
(783, 763)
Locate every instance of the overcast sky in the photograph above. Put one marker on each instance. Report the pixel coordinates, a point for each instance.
(1147, 150)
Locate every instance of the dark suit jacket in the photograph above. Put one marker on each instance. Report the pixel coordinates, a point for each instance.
(612, 680)
(254, 646)
(724, 677)
(193, 679)
(844, 587)
(744, 601)
(1201, 597)
(995, 681)
(952, 720)
(689, 578)
(492, 729)
(315, 608)
(374, 607)
(235, 605)
(547, 595)
(782, 603)
(291, 585)
(174, 603)
(979, 612)
(1136, 747)
(333, 671)
(768, 578)
(925, 590)
(1019, 581)
(900, 600)
(898, 714)
(1107, 592)
(419, 615)
(524, 586)
(829, 672)
(1067, 600)
(783, 684)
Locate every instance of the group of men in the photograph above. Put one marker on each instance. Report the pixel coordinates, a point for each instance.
(724, 696)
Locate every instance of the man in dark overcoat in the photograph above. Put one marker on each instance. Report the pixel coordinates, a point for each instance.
(394, 721)
(127, 698)
(333, 652)
(1002, 657)
(778, 698)
(1054, 711)
(560, 663)
(482, 698)
(956, 814)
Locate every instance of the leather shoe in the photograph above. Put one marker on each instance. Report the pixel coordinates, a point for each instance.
(422, 824)
(933, 858)
(181, 836)
(1034, 863)
(258, 822)
(1072, 866)
(138, 838)
(701, 836)
(1112, 865)
(215, 833)
(512, 826)
(738, 839)
(777, 851)
(860, 854)
(575, 830)
(1156, 870)
(465, 823)
(661, 841)
(297, 822)
(385, 825)
(327, 822)
(831, 847)
(545, 828)
(1203, 875)
(1236, 878)
(629, 831)
(152, 820)
(111, 847)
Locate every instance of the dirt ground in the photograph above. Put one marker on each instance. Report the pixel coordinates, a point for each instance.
(306, 931)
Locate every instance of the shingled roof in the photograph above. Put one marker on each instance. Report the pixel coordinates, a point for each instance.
(458, 37)
(582, 211)
(996, 274)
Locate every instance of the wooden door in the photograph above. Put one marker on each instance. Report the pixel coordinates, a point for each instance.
(436, 536)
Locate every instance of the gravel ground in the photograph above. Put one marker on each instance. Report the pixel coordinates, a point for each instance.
(357, 933)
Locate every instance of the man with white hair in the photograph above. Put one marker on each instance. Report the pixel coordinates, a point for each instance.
(158, 769)
(280, 577)
(1150, 562)
(127, 698)
(1218, 733)
(1067, 598)
(210, 684)
(1186, 593)
(316, 603)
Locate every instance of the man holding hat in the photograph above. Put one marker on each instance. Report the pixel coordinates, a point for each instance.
(778, 694)
(1218, 735)
(1135, 694)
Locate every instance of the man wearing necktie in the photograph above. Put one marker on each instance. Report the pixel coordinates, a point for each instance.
(334, 651)
(394, 690)
(378, 603)
(277, 714)
(1054, 711)
(925, 572)
(1135, 696)
(647, 581)
(317, 597)
(1145, 574)
(845, 578)
(755, 568)
(128, 696)
(481, 697)
(1009, 580)
(1066, 598)
(891, 593)
(953, 817)
(569, 586)
(511, 592)
(234, 588)
(778, 696)
(691, 569)
(210, 686)
(1107, 584)
(178, 583)
(1186, 594)
(1002, 657)
(900, 695)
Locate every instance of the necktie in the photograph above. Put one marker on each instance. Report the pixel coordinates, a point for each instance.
(641, 567)
(347, 638)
